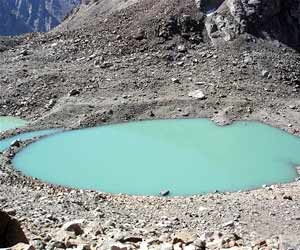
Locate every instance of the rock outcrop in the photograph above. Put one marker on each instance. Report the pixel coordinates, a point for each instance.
(10, 231)
(260, 18)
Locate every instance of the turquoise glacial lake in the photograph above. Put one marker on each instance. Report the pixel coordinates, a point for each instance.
(185, 156)
(8, 122)
(5, 143)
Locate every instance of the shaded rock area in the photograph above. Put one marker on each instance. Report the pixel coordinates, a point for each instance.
(260, 18)
(10, 231)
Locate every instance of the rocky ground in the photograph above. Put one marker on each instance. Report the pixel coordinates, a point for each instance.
(149, 61)
(267, 218)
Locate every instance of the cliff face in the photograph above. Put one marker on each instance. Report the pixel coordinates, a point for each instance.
(22, 16)
(276, 20)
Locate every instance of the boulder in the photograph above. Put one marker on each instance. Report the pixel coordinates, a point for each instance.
(22, 246)
(11, 232)
(184, 237)
(74, 92)
(265, 73)
(197, 94)
(164, 192)
(131, 239)
(74, 226)
(15, 143)
(182, 48)
(228, 224)
(166, 246)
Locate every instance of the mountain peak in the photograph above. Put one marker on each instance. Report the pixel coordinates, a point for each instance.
(23, 16)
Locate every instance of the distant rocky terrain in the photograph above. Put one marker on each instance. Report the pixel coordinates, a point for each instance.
(23, 16)
(114, 61)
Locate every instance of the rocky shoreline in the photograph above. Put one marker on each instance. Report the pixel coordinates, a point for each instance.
(266, 218)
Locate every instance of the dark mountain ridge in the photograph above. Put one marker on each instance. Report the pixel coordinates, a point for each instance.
(23, 16)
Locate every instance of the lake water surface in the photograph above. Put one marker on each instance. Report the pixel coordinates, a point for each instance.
(9, 122)
(185, 156)
(5, 143)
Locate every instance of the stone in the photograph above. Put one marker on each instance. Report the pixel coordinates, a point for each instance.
(164, 192)
(11, 232)
(265, 73)
(54, 244)
(24, 52)
(105, 65)
(38, 244)
(228, 224)
(83, 247)
(197, 94)
(111, 245)
(74, 92)
(22, 246)
(118, 248)
(151, 114)
(15, 143)
(184, 237)
(71, 243)
(260, 243)
(74, 226)
(175, 80)
(182, 48)
(201, 209)
(200, 243)
(10, 211)
(3, 199)
(166, 246)
(190, 247)
(97, 62)
(287, 197)
(140, 35)
(178, 246)
(51, 103)
(199, 83)
(232, 243)
(131, 239)
(215, 244)
(64, 236)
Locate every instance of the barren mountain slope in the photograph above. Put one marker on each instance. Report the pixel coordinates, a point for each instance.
(262, 18)
(136, 50)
